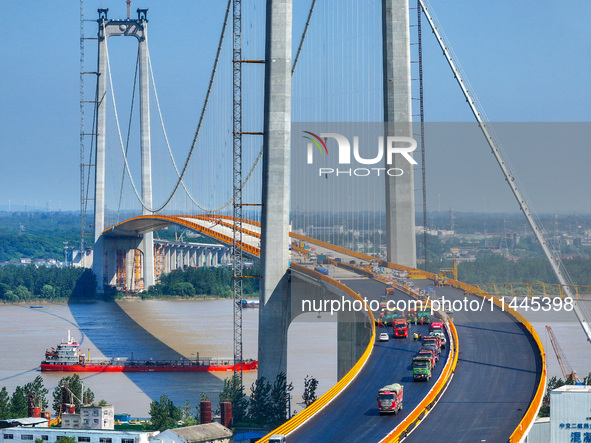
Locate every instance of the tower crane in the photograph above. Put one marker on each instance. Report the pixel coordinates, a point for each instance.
(565, 367)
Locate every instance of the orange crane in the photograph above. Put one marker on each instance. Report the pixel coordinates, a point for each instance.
(565, 367)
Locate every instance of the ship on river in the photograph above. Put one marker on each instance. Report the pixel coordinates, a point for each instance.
(67, 357)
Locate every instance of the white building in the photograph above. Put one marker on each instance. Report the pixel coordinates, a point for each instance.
(570, 417)
(570, 414)
(50, 435)
(91, 417)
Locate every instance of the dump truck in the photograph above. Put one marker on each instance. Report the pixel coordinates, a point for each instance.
(421, 368)
(433, 340)
(390, 399)
(400, 328)
(437, 329)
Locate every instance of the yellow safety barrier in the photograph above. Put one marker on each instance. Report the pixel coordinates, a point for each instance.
(182, 220)
(315, 407)
(532, 412)
(413, 419)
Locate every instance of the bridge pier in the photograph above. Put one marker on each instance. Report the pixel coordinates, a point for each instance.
(274, 292)
(353, 330)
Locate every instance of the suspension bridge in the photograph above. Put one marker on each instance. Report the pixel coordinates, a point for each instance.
(299, 170)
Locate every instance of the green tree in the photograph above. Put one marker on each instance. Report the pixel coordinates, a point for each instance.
(164, 414)
(233, 391)
(186, 417)
(183, 289)
(47, 291)
(18, 403)
(23, 293)
(279, 399)
(260, 405)
(39, 391)
(553, 383)
(309, 395)
(73, 386)
(64, 439)
(4, 404)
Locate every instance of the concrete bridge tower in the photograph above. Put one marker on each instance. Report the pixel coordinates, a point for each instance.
(274, 315)
(275, 307)
(400, 200)
(135, 28)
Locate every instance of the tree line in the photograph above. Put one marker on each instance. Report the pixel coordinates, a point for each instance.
(24, 283)
(16, 405)
(266, 406)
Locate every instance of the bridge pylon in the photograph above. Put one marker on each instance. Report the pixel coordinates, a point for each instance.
(137, 28)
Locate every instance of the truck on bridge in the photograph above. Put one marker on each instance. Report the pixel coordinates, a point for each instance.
(390, 399)
(400, 328)
(421, 368)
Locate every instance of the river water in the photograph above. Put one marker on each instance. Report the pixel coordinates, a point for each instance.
(160, 330)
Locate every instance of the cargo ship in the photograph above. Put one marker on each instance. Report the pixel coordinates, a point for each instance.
(67, 357)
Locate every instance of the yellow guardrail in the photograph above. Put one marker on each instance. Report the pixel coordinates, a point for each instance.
(413, 419)
(532, 412)
(299, 419)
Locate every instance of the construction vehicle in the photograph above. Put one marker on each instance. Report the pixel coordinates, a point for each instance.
(436, 329)
(421, 368)
(390, 399)
(432, 340)
(400, 328)
(430, 353)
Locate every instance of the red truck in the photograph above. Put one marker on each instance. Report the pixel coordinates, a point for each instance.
(390, 399)
(400, 328)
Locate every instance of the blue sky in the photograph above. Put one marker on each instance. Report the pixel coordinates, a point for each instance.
(527, 61)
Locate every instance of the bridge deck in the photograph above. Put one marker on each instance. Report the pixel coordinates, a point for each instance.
(496, 378)
(353, 415)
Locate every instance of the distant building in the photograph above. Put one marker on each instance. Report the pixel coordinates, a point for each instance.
(211, 433)
(570, 417)
(91, 417)
(22, 434)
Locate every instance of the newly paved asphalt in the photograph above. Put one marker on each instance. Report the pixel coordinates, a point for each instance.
(495, 380)
(353, 415)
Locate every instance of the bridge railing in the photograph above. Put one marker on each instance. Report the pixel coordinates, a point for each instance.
(333, 392)
(530, 415)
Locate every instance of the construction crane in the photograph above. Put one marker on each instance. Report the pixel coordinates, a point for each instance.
(565, 367)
